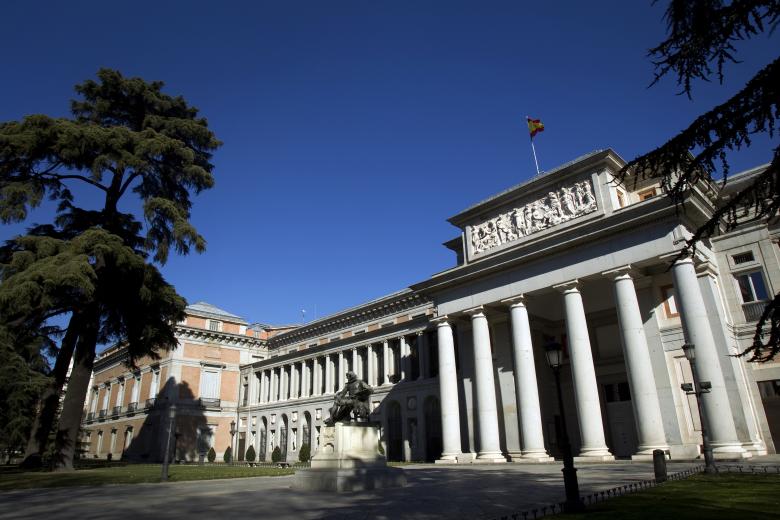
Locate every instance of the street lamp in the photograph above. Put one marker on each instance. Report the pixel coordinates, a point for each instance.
(233, 439)
(166, 455)
(554, 353)
(698, 388)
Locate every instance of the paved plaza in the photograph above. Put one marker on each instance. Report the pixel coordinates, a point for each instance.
(468, 492)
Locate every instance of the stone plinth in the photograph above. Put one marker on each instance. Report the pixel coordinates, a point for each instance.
(348, 460)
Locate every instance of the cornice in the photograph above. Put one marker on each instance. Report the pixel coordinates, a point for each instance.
(225, 338)
(371, 312)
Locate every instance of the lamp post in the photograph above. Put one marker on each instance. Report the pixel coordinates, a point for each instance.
(232, 439)
(171, 428)
(554, 353)
(698, 388)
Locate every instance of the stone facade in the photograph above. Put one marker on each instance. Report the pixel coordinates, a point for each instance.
(457, 361)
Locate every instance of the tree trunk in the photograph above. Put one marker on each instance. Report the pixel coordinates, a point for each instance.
(73, 404)
(50, 400)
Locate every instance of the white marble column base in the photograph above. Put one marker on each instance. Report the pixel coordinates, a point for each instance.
(449, 459)
(594, 458)
(755, 448)
(646, 452)
(730, 452)
(490, 458)
(517, 458)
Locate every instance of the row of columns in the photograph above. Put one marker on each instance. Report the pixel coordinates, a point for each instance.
(326, 374)
(647, 410)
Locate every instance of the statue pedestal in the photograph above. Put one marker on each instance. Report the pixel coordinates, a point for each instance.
(348, 460)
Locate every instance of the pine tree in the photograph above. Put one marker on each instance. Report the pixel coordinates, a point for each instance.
(125, 136)
(702, 35)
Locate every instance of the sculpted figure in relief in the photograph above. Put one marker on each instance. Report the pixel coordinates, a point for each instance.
(557, 207)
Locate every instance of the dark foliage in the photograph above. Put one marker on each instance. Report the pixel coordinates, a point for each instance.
(702, 35)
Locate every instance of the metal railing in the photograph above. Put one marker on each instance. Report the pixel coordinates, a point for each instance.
(115, 411)
(150, 403)
(90, 416)
(132, 407)
(753, 310)
(102, 414)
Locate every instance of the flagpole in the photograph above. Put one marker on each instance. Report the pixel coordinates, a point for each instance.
(534, 151)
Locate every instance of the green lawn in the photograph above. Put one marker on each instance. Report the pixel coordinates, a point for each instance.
(724, 496)
(130, 474)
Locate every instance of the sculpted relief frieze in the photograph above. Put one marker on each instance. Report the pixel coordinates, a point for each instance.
(559, 206)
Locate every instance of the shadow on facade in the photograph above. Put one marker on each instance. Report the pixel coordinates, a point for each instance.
(190, 438)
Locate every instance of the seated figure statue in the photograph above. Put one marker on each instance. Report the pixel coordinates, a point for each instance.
(351, 402)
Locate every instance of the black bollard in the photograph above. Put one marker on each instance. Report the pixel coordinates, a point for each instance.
(659, 465)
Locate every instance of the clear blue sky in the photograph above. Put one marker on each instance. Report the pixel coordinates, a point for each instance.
(352, 130)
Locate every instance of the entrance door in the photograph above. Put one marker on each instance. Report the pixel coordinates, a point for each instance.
(394, 433)
(241, 446)
(620, 417)
(283, 438)
(433, 442)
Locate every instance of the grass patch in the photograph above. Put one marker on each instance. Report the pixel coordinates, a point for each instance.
(723, 496)
(130, 474)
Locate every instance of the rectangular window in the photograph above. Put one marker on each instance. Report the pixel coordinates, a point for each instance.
(769, 389)
(215, 325)
(751, 287)
(209, 384)
(113, 440)
(106, 392)
(120, 394)
(128, 436)
(646, 194)
(155, 384)
(136, 389)
(99, 447)
(743, 258)
(93, 404)
(670, 305)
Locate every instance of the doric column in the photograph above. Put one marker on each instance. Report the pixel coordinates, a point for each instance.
(342, 372)
(526, 387)
(315, 369)
(644, 397)
(385, 362)
(487, 413)
(356, 363)
(448, 393)
(696, 327)
(328, 373)
(294, 381)
(263, 387)
(370, 365)
(586, 391)
(403, 351)
(272, 386)
(422, 354)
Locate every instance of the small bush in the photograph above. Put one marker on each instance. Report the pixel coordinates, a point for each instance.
(250, 454)
(212, 455)
(109, 457)
(305, 454)
(228, 456)
(276, 455)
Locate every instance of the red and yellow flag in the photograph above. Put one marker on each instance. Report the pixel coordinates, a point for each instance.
(535, 126)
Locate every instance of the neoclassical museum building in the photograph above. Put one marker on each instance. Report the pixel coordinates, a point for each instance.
(457, 361)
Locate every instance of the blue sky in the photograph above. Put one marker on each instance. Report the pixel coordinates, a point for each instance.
(352, 130)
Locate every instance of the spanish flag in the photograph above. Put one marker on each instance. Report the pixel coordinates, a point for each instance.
(534, 126)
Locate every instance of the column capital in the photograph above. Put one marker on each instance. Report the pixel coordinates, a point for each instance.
(475, 312)
(675, 258)
(440, 321)
(515, 301)
(568, 287)
(619, 273)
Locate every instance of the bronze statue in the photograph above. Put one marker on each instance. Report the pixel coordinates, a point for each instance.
(351, 402)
